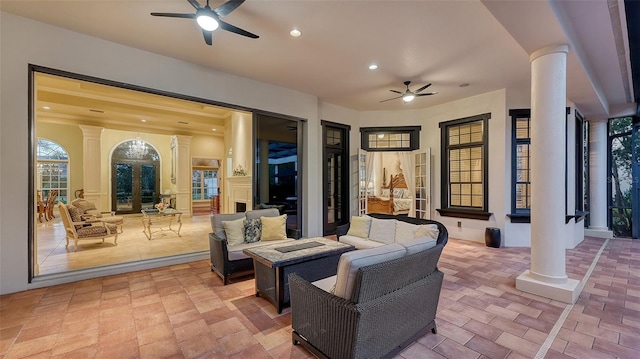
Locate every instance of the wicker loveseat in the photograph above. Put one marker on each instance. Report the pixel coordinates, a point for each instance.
(392, 304)
(229, 260)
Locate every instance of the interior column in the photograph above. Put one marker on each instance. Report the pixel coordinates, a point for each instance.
(598, 180)
(547, 276)
(183, 174)
(92, 165)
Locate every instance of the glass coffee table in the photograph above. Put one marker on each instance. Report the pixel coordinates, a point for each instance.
(163, 220)
(311, 258)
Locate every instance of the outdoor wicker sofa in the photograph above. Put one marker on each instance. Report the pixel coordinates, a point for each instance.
(392, 304)
(229, 261)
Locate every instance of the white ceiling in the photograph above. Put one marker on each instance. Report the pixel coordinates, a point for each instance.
(447, 43)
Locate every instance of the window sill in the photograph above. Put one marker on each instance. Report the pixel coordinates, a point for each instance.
(464, 213)
(520, 217)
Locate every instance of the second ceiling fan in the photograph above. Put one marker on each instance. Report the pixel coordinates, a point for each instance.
(209, 19)
(408, 95)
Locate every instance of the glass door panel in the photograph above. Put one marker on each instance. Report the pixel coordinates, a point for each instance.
(148, 190)
(124, 187)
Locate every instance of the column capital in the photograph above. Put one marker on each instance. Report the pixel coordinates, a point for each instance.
(91, 131)
(549, 50)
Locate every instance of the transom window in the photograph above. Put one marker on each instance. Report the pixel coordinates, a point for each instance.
(464, 167)
(404, 138)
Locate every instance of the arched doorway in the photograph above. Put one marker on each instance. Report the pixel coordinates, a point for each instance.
(135, 177)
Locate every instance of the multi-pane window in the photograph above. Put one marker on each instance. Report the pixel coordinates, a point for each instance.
(464, 165)
(52, 169)
(522, 161)
(204, 184)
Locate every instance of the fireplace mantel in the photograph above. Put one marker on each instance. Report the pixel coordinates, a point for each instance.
(239, 190)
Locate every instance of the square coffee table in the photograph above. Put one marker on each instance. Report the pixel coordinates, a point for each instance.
(311, 258)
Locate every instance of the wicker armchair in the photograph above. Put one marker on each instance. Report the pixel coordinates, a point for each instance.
(393, 304)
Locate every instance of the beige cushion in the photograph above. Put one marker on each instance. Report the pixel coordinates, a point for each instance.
(217, 219)
(360, 226)
(359, 243)
(350, 262)
(405, 231)
(427, 230)
(327, 284)
(418, 244)
(274, 228)
(383, 230)
(234, 231)
(269, 212)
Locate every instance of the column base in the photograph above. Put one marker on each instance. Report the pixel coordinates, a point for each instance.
(598, 233)
(564, 292)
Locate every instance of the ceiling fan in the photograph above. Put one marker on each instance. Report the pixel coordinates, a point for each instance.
(209, 19)
(408, 95)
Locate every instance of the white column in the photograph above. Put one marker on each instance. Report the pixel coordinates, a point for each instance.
(183, 174)
(547, 276)
(92, 165)
(598, 180)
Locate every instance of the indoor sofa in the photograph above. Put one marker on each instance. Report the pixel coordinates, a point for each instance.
(381, 300)
(228, 260)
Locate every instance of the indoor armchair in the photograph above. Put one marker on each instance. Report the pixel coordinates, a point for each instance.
(78, 229)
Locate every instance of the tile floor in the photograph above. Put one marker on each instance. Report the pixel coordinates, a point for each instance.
(183, 311)
(133, 245)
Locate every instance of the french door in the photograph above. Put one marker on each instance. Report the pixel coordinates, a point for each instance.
(135, 185)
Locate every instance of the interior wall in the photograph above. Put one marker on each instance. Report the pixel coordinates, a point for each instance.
(65, 50)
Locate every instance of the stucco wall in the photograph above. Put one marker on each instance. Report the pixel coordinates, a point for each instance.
(25, 42)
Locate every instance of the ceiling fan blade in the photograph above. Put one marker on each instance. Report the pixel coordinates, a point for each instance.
(207, 36)
(389, 99)
(426, 94)
(423, 88)
(226, 8)
(195, 4)
(173, 14)
(237, 30)
(396, 91)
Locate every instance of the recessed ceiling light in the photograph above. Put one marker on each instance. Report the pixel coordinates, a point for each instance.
(143, 120)
(463, 85)
(295, 33)
(373, 67)
(46, 107)
(213, 129)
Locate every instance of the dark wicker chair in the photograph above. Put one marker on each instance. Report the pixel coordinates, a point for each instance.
(393, 304)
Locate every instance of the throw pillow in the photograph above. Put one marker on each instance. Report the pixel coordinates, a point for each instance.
(359, 226)
(427, 230)
(274, 228)
(405, 231)
(385, 193)
(383, 230)
(234, 231)
(252, 230)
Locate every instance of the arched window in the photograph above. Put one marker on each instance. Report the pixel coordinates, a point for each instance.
(52, 169)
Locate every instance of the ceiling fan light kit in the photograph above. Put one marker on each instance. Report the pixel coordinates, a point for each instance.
(207, 22)
(408, 95)
(209, 19)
